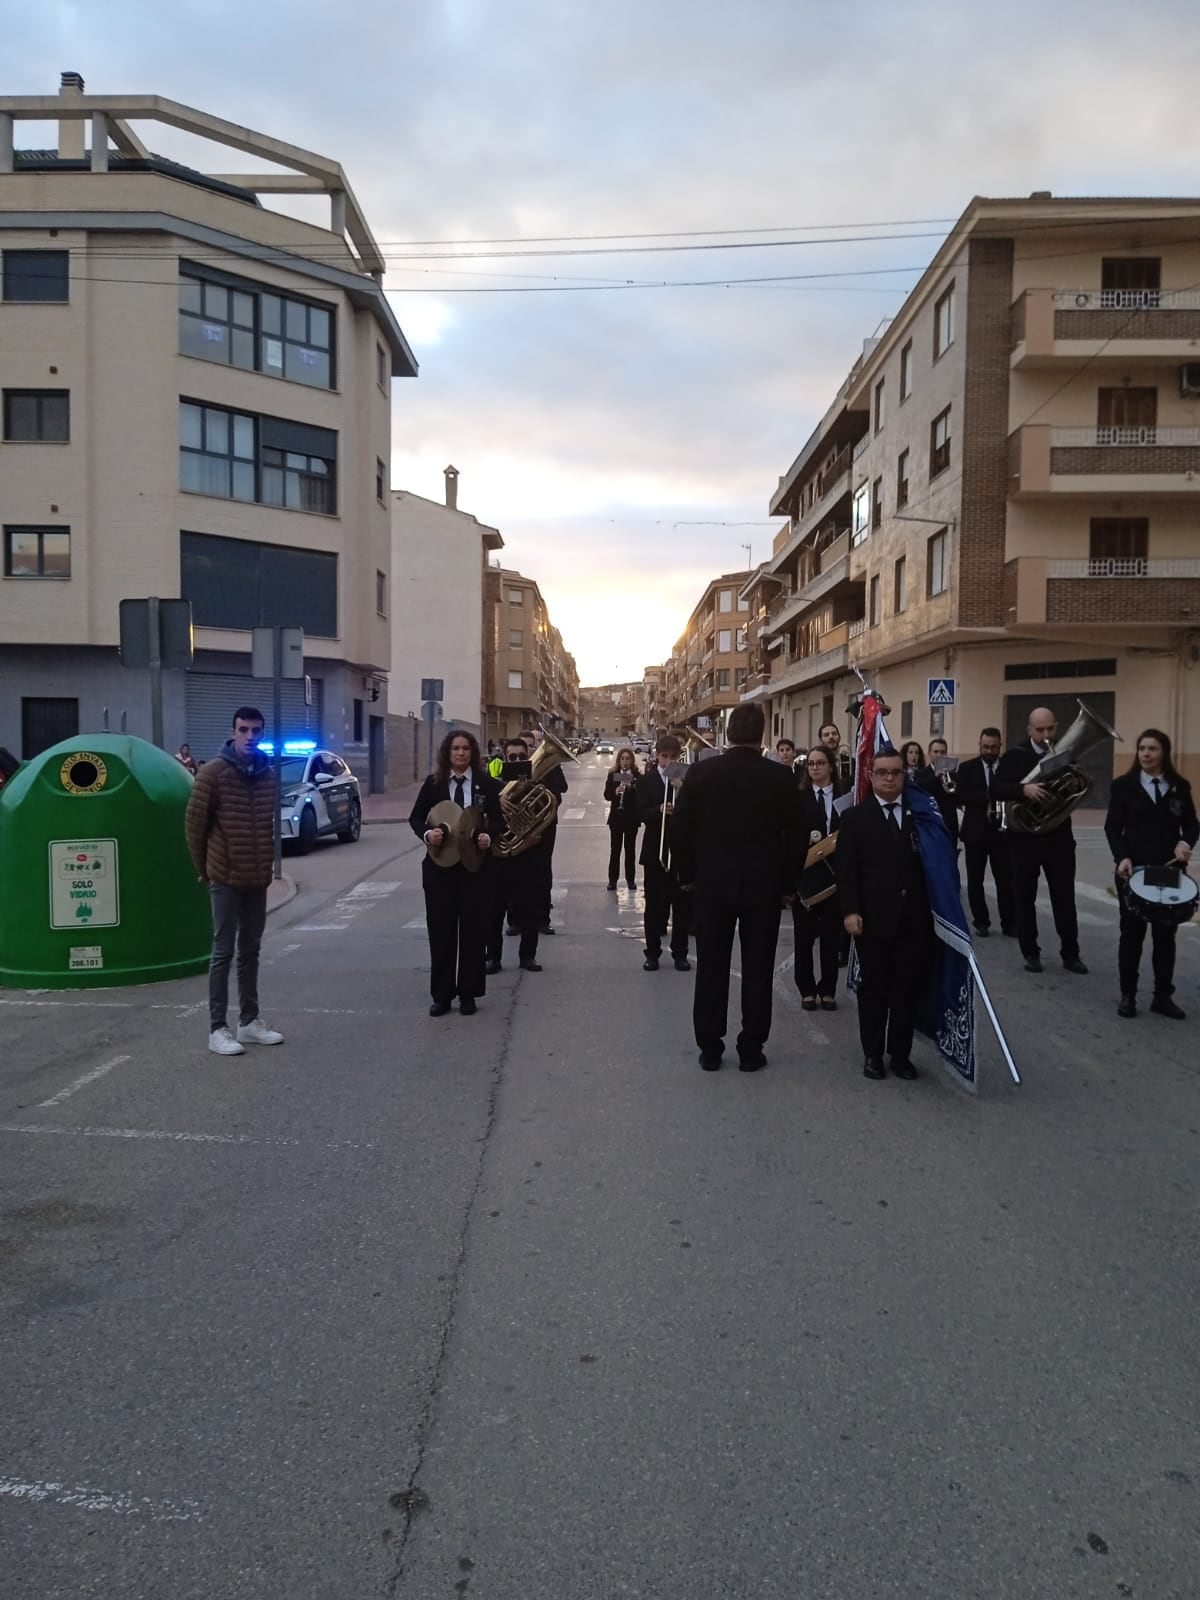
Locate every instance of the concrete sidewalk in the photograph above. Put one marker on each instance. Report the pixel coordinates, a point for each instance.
(279, 892)
(393, 807)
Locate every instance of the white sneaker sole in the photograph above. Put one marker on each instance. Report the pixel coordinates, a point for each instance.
(239, 1051)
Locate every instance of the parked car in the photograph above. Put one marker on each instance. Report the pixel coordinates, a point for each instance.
(320, 796)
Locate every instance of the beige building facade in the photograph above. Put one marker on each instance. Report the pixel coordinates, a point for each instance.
(610, 710)
(708, 672)
(531, 681)
(197, 403)
(1005, 493)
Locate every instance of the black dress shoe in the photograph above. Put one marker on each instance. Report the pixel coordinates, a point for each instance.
(1009, 933)
(828, 1003)
(1033, 963)
(612, 888)
(439, 1008)
(808, 1002)
(1166, 1007)
(467, 1007)
(1128, 1006)
(710, 1062)
(983, 932)
(682, 964)
(631, 883)
(650, 964)
(873, 1068)
(1076, 966)
(752, 1062)
(531, 966)
(513, 933)
(547, 930)
(492, 968)
(904, 1069)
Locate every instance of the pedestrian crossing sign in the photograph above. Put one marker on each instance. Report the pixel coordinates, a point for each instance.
(941, 691)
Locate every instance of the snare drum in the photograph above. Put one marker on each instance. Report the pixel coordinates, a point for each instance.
(1162, 896)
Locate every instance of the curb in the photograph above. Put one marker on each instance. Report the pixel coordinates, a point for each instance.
(383, 822)
(289, 894)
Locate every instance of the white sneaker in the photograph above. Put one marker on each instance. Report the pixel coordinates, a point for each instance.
(222, 1043)
(257, 1032)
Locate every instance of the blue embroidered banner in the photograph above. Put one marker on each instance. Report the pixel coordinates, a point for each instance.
(949, 1018)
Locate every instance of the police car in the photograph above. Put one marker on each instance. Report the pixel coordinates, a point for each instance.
(320, 795)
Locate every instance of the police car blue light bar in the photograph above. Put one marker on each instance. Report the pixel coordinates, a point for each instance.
(291, 747)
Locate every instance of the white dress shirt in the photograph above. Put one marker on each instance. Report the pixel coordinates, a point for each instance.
(467, 783)
(1148, 784)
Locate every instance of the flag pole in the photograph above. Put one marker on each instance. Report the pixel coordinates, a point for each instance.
(992, 1017)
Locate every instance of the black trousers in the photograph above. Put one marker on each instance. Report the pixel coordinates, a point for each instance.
(543, 853)
(1129, 950)
(1053, 854)
(623, 838)
(821, 927)
(513, 897)
(456, 912)
(893, 976)
(991, 851)
(665, 903)
(757, 927)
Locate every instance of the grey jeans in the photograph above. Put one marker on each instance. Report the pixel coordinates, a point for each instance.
(239, 917)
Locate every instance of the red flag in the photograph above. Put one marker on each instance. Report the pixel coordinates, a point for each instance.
(868, 729)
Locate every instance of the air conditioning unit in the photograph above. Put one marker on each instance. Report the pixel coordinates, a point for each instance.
(1189, 380)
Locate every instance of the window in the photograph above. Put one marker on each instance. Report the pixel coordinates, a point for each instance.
(739, 678)
(1118, 546)
(939, 443)
(860, 514)
(741, 640)
(358, 722)
(380, 481)
(876, 611)
(1126, 416)
(37, 275)
(724, 640)
(943, 323)
(37, 552)
(381, 587)
(1019, 670)
(722, 677)
(238, 456)
(239, 583)
(241, 324)
(938, 576)
(725, 600)
(743, 603)
(906, 714)
(382, 369)
(515, 680)
(516, 597)
(879, 405)
(41, 416)
(899, 599)
(877, 503)
(1130, 281)
(902, 480)
(516, 638)
(906, 372)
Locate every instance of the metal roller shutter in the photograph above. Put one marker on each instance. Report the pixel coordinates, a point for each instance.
(213, 697)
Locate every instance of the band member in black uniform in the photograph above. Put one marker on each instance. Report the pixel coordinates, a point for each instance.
(820, 925)
(1151, 821)
(941, 785)
(665, 901)
(456, 901)
(1031, 854)
(984, 841)
(885, 908)
(739, 843)
(785, 754)
(620, 791)
(516, 891)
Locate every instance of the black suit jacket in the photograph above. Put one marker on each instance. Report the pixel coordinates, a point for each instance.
(739, 836)
(1145, 833)
(973, 797)
(1015, 766)
(879, 873)
(648, 798)
(621, 816)
(485, 792)
(814, 812)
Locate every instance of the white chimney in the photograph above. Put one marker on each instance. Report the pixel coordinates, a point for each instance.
(70, 129)
(451, 476)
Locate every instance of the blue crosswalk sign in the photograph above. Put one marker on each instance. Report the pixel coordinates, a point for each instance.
(941, 691)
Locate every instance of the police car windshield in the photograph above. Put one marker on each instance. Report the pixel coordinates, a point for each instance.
(293, 769)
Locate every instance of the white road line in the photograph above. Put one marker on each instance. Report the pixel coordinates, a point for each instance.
(286, 951)
(372, 889)
(417, 922)
(323, 927)
(785, 965)
(176, 1138)
(82, 1083)
(576, 814)
(121, 1504)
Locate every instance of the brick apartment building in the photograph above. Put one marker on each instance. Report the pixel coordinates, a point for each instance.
(1006, 491)
(708, 670)
(530, 678)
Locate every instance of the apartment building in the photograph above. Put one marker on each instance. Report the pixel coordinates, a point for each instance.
(709, 668)
(648, 712)
(196, 403)
(530, 678)
(610, 709)
(1006, 491)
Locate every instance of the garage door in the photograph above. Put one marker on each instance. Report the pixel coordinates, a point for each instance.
(213, 697)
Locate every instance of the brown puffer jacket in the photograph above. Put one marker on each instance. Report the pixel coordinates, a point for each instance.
(230, 822)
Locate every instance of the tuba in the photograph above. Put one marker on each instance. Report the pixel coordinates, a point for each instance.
(694, 741)
(1065, 782)
(529, 807)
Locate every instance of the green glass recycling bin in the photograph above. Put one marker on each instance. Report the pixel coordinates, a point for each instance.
(96, 884)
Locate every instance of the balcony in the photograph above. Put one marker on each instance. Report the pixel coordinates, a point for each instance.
(1109, 327)
(834, 571)
(832, 485)
(789, 671)
(1110, 461)
(1103, 593)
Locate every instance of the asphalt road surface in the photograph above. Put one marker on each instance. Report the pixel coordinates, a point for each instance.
(527, 1307)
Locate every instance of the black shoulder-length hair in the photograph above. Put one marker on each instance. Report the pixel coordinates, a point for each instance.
(443, 755)
(1164, 740)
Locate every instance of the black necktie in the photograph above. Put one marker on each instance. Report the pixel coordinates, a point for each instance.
(460, 792)
(1157, 792)
(892, 817)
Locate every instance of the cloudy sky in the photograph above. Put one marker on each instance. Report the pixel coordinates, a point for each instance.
(625, 437)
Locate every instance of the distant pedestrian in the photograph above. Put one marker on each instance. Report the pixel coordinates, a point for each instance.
(230, 826)
(185, 759)
(620, 792)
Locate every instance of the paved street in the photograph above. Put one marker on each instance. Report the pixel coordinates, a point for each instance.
(526, 1307)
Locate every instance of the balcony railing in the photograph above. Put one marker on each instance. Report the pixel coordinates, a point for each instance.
(1162, 324)
(1127, 299)
(857, 629)
(1106, 438)
(1131, 567)
(861, 447)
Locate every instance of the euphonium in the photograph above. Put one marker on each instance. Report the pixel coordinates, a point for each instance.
(529, 807)
(1059, 773)
(695, 740)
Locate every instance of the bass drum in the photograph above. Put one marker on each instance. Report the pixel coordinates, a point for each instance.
(1162, 896)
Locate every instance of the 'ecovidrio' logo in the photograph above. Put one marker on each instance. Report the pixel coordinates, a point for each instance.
(83, 773)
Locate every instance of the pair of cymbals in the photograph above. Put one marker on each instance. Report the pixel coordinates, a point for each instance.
(461, 848)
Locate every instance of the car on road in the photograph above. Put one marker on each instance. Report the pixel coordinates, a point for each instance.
(605, 748)
(320, 796)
